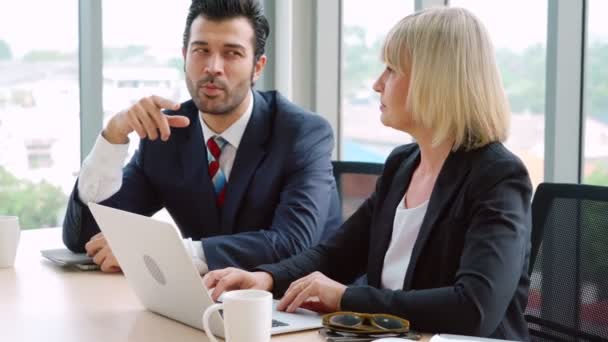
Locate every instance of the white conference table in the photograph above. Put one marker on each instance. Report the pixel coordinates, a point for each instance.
(40, 301)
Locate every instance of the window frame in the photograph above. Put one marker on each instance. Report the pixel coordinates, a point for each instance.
(312, 80)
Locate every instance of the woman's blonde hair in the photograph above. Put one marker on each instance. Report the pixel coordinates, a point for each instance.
(455, 87)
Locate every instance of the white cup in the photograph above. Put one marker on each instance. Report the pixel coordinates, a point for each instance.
(9, 240)
(247, 316)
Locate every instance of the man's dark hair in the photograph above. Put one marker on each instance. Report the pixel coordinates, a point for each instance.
(219, 10)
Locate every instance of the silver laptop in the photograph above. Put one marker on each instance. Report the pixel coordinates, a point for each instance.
(161, 272)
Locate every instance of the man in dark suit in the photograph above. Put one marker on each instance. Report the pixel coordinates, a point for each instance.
(246, 175)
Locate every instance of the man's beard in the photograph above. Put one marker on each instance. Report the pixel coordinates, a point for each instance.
(232, 97)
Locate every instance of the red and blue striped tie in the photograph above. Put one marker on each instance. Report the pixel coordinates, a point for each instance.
(214, 150)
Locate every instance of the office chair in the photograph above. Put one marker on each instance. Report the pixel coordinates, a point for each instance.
(568, 298)
(356, 181)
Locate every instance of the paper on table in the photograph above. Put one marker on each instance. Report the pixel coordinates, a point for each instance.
(65, 257)
(461, 338)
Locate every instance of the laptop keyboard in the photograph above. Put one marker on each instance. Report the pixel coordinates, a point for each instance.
(276, 324)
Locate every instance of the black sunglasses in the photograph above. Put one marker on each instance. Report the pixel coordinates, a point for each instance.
(365, 323)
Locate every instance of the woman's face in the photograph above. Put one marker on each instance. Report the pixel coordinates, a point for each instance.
(393, 89)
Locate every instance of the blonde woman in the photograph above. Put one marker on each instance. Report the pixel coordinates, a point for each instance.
(445, 238)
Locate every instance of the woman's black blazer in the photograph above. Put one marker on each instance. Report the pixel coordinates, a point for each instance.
(468, 269)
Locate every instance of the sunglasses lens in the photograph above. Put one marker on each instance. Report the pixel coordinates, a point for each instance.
(388, 322)
(346, 320)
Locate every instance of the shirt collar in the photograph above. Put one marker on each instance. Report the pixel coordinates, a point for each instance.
(234, 133)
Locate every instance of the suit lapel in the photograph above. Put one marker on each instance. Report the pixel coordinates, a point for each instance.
(250, 153)
(383, 229)
(446, 186)
(193, 159)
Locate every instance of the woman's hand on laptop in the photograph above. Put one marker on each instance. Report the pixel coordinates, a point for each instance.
(231, 278)
(102, 255)
(315, 292)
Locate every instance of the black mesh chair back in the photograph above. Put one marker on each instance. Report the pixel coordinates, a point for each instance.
(568, 298)
(356, 181)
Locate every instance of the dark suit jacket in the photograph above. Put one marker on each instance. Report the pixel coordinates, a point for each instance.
(281, 196)
(468, 269)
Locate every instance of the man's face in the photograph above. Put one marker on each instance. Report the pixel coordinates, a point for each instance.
(219, 64)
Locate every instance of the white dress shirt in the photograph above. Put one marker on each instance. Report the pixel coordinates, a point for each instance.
(101, 172)
(406, 227)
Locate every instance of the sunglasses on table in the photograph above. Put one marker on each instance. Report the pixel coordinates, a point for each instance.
(355, 322)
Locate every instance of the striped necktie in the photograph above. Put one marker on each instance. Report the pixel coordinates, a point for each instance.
(215, 145)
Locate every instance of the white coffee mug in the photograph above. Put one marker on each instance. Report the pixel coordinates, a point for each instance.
(247, 316)
(9, 240)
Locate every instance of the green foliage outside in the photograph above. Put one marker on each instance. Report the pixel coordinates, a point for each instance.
(177, 64)
(597, 81)
(523, 76)
(47, 56)
(598, 177)
(523, 73)
(36, 204)
(5, 51)
(362, 63)
(121, 54)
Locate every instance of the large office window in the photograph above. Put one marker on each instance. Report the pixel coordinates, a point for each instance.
(518, 29)
(364, 138)
(39, 109)
(595, 165)
(142, 56)
(142, 53)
